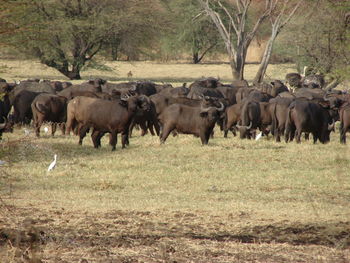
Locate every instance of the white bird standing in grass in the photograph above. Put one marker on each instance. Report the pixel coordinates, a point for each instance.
(258, 136)
(53, 164)
(26, 131)
(46, 130)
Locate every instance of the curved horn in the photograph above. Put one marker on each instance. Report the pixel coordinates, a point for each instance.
(250, 125)
(3, 125)
(331, 126)
(243, 126)
(325, 97)
(222, 107)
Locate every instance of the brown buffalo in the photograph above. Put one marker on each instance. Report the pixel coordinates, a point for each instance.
(51, 108)
(185, 119)
(104, 117)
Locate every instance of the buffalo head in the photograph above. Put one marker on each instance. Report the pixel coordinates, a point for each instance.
(244, 131)
(212, 113)
(7, 126)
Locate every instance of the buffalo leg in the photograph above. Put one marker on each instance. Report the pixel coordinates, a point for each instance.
(113, 139)
(143, 127)
(342, 130)
(125, 140)
(154, 123)
(298, 135)
(165, 133)
(131, 127)
(53, 128)
(63, 128)
(205, 137)
(37, 123)
(150, 128)
(82, 133)
(96, 139)
(100, 135)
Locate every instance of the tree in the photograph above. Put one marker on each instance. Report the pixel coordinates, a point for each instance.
(278, 19)
(66, 34)
(195, 33)
(146, 21)
(322, 41)
(236, 34)
(188, 32)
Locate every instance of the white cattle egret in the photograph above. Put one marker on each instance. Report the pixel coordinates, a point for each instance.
(53, 164)
(258, 136)
(26, 131)
(46, 130)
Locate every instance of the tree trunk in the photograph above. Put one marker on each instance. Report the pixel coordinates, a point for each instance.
(195, 58)
(240, 62)
(115, 43)
(259, 77)
(114, 53)
(73, 74)
(234, 69)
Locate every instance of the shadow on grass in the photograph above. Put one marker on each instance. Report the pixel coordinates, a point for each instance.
(331, 235)
(31, 149)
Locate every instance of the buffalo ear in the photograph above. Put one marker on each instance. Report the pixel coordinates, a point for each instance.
(203, 114)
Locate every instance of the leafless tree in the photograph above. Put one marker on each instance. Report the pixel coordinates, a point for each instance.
(235, 35)
(278, 20)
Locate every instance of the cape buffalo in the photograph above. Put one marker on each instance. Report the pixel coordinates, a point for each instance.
(310, 117)
(104, 116)
(344, 114)
(232, 116)
(278, 111)
(250, 119)
(185, 119)
(22, 102)
(51, 108)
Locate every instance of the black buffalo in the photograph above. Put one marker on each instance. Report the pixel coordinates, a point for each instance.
(250, 119)
(22, 110)
(185, 119)
(51, 108)
(278, 110)
(104, 116)
(344, 115)
(232, 117)
(309, 117)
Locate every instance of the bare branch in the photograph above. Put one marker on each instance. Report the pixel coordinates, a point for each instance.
(230, 17)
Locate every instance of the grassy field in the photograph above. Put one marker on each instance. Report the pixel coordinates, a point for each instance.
(172, 72)
(231, 201)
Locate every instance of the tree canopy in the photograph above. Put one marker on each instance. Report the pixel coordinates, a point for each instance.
(66, 34)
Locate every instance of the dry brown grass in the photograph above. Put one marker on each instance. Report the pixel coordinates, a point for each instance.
(171, 72)
(231, 201)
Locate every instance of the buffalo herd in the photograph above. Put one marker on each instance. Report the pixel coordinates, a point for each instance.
(99, 107)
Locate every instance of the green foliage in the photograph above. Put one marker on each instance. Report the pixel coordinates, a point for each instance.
(66, 34)
(322, 39)
(192, 31)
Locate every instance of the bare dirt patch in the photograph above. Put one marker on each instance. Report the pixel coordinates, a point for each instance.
(58, 235)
